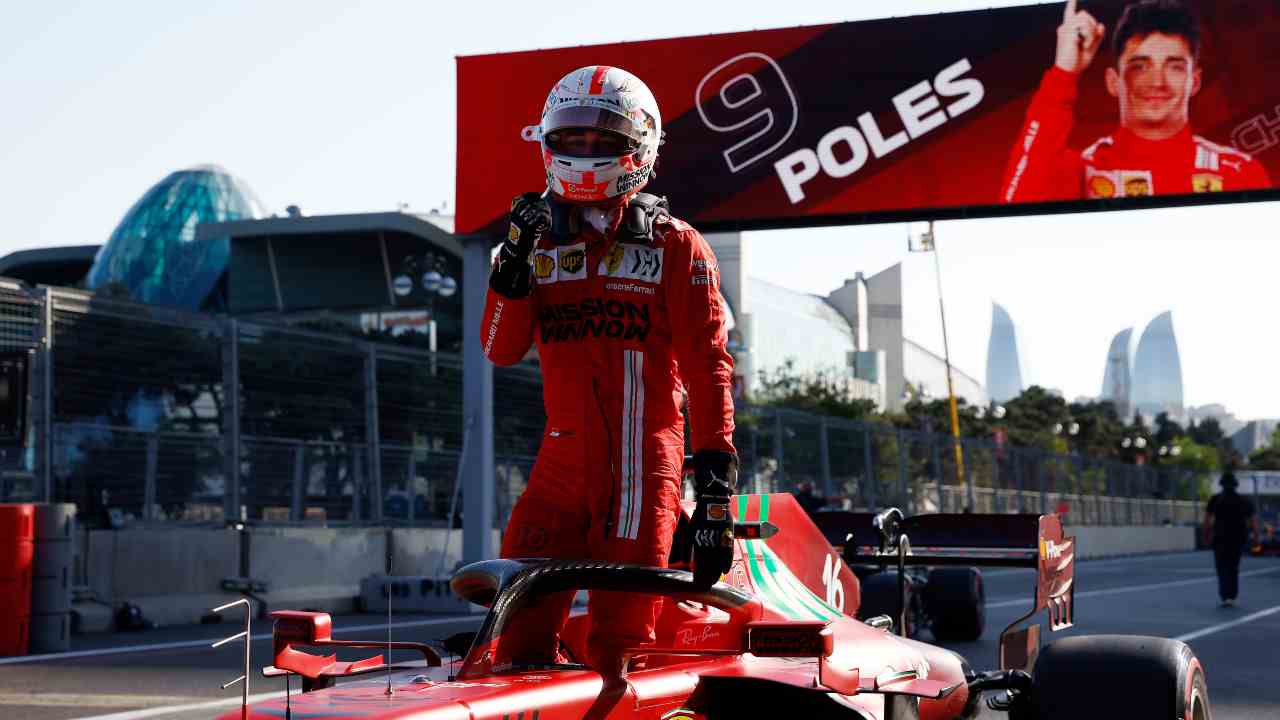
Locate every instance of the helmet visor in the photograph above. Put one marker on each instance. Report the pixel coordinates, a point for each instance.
(588, 142)
(591, 117)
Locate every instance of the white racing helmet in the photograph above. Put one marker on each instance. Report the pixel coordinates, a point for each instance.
(622, 111)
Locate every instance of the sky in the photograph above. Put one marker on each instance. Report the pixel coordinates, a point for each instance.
(349, 107)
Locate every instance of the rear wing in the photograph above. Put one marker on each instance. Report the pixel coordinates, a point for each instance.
(1027, 541)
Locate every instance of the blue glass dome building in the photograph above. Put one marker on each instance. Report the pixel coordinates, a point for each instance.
(153, 253)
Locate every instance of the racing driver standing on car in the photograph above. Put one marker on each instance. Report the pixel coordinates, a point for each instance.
(1156, 73)
(623, 302)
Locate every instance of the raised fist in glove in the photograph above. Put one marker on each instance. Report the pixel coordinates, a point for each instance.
(530, 219)
(715, 474)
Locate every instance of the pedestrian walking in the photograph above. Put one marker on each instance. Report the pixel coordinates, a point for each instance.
(1227, 520)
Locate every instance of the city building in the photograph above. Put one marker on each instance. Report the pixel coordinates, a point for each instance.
(1157, 371)
(152, 255)
(853, 335)
(1004, 367)
(1254, 435)
(1226, 420)
(1117, 376)
(200, 240)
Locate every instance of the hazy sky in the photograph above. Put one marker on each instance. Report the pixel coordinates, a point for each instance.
(348, 107)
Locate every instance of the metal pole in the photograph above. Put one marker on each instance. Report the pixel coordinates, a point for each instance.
(231, 411)
(46, 395)
(946, 355)
(372, 433)
(868, 471)
(477, 405)
(824, 457)
(937, 472)
(903, 494)
(778, 451)
(411, 485)
(355, 465)
(1044, 498)
(968, 481)
(299, 468)
(149, 480)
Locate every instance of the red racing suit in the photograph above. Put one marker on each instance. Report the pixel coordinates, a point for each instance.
(623, 329)
(1042, 169)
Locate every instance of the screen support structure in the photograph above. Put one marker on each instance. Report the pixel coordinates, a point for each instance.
(477, 471)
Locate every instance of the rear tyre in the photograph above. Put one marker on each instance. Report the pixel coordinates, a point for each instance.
(956, 603)
(879, 594)
(1120, 677)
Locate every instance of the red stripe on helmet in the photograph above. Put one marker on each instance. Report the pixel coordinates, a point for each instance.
(597, 79)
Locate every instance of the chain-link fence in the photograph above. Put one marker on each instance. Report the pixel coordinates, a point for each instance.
(147, 414)
(866, 465)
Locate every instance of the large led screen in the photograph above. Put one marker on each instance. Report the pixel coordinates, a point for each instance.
(1094, 105)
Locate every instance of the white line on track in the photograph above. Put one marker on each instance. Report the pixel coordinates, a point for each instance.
(171, 709)
(124, 649)
(1131, 588)
(1227, 625)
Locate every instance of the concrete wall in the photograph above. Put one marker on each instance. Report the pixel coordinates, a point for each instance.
(1099, 541)
(175, 574)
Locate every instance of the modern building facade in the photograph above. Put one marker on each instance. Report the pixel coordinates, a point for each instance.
(153, 256)
(853, 335)
(200, 240)
(1117, 376)
(1004, 365)
(1157, 370)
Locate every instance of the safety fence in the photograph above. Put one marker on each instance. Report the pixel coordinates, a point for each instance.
(143, 414)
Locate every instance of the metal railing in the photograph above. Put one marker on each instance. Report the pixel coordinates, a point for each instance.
(148, 414)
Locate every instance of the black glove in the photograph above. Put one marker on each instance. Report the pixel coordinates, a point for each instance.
(530, 219)
(715, 474)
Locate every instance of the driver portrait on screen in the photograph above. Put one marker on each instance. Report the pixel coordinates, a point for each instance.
(1157, 71)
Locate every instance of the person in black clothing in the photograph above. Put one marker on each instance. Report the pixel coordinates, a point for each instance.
(1227, 519)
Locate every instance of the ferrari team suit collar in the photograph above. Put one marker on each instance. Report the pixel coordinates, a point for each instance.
(1129, 145)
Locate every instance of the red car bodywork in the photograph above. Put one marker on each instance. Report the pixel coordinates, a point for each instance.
(780, 635)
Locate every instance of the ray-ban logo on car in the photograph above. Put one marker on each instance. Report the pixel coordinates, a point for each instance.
(1049, 550)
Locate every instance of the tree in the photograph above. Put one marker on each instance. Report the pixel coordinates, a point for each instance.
(820, 393)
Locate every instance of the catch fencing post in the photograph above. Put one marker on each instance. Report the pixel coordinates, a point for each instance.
(938, 475)
(411, 484)
(231, 416)
(371, 432)
(1019, 479)
(1044, 497)
(903, 494)
(299, 467)
(778, 452)
(871, 477)
(149, 480)
(967, 449)
(44, 425)
(824, 457)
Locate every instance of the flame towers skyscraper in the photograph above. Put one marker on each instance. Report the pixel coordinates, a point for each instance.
(1004, 367)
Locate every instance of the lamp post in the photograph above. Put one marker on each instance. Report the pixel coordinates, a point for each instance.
(928, 243)
(1068, 430)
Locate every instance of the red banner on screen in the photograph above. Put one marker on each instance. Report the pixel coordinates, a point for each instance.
(887, 118)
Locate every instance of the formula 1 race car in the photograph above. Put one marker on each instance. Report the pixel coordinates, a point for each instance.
(950, 601)
(776, 634)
